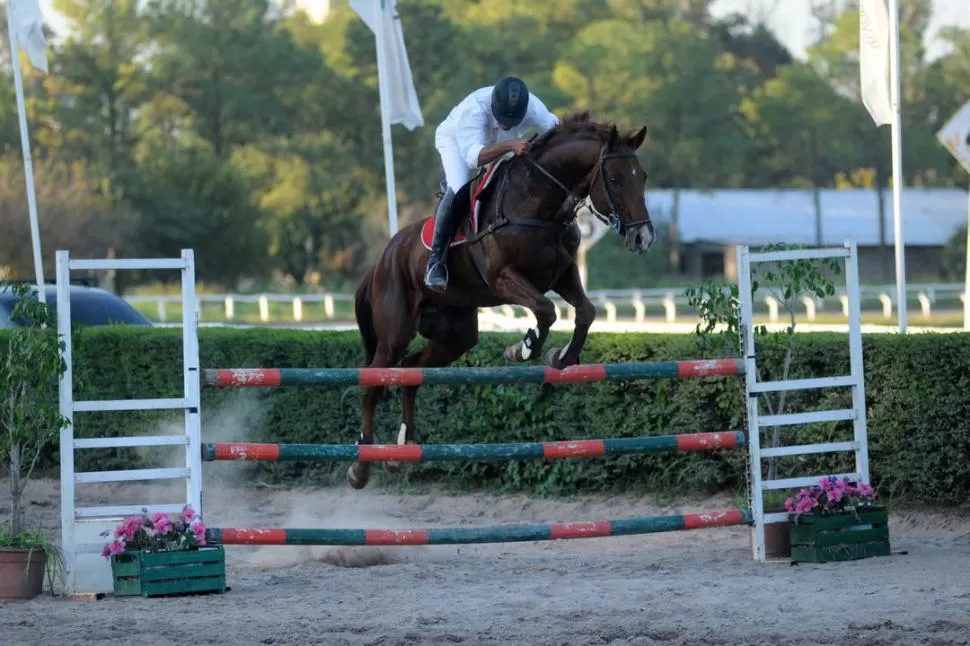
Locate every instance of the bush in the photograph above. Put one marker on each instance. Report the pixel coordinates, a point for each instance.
(916, 392)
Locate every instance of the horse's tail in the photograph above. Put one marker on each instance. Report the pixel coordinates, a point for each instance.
(365, 316)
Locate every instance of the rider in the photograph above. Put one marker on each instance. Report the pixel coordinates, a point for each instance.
(487, 124)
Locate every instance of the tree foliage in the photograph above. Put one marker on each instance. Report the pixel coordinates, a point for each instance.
(251, 133)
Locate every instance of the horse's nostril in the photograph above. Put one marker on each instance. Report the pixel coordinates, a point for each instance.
(639, 239)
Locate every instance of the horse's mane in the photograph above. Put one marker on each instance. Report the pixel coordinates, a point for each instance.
(574, 126)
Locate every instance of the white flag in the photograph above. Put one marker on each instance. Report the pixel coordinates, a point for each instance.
(402, 97)
(874, 59)
(28, 27)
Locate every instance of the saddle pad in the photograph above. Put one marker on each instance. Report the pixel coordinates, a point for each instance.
(476, 186)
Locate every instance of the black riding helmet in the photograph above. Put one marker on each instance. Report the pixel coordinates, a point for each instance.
(510, 100)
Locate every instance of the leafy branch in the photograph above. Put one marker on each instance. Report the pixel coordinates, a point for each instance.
(30, 417)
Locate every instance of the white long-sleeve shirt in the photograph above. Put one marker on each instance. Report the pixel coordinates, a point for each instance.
(471, 126)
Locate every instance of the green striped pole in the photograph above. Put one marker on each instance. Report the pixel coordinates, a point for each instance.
(244, 451)
(474, 535)
(268, 377)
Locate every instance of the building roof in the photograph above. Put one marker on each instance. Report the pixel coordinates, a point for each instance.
(755, 217)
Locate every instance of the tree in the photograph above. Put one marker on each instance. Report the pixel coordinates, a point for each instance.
(98, 76)
(804, 128)
(314, 188)
(227, 70)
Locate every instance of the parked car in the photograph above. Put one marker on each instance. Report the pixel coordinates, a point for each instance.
(90, 306)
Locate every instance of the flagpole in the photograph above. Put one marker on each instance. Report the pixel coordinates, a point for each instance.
(382, 81)
(966, 274)
(897, 152)
(25, 145)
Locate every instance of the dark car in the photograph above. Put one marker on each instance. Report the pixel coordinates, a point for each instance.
(90, 306)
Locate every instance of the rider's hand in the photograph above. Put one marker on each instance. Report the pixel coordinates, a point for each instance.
(519, 146)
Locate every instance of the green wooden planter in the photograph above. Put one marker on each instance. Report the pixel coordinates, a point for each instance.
(153, 574)
(842, 537)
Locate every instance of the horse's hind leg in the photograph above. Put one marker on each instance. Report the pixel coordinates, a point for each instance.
(456, 333)
(359, 472)
(394, 327)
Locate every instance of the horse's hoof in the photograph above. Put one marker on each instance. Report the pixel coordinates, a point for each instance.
(513, 352)
(552, 359)
(402, 434)
(394, 467)
(556, 359)
(356, 481)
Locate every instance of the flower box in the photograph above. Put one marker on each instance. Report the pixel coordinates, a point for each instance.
(153, 574)
(844, 536)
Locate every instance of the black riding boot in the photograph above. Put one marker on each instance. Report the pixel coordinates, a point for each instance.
(436, 276)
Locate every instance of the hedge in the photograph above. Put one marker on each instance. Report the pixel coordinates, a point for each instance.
(917, 400)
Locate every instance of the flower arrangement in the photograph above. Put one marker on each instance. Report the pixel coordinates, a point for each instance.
(830, 496)
(157, 533)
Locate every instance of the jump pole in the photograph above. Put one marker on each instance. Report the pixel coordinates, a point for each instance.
(473, 535)
(492, 375)
(243, 451)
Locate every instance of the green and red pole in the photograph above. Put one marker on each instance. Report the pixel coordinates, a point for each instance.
(244, 451)
(471, 535)
(269, 377)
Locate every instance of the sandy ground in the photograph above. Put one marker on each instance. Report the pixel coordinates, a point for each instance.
(697, 587)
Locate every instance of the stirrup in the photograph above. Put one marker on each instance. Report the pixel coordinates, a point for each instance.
(436, 282)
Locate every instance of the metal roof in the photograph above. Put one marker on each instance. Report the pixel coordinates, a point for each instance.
(754, 217)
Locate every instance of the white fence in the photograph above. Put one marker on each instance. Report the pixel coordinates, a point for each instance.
(637, 305)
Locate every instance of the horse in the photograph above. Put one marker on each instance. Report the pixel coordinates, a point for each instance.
(519, 241)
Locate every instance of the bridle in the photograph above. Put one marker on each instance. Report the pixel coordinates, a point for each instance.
(611, 219)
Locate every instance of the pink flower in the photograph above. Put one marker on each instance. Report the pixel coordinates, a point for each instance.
(188, 512)
(199, 530)
(790, 504)
(116, 547)
(128, 528)
(162, 523)
(106, 552)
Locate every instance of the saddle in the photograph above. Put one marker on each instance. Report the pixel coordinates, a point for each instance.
(468, 199)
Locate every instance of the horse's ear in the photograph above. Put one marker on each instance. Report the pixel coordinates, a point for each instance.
(614, 137)
(636, 139)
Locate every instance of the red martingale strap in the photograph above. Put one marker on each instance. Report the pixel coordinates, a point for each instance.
(482, 185)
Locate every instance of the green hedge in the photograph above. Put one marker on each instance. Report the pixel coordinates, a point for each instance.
(918, 404)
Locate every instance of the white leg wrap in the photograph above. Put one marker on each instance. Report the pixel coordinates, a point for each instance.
(526, 344)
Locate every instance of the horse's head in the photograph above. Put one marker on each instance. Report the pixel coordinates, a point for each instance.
(601, 165)
(617, 191)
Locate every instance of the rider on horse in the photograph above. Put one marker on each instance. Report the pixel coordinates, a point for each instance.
(486, 125)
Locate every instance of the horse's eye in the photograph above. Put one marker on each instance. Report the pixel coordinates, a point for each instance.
(616, 179)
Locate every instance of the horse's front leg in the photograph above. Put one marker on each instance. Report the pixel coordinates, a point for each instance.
(513, 288)
(570, 287)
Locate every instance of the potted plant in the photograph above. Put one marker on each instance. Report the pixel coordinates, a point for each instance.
(157, 554)
(837, 520)
(29, 420)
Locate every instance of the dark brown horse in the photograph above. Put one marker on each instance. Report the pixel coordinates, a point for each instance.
(524, 245)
